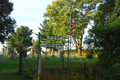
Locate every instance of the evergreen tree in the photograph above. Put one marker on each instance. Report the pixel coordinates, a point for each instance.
(46, 31)
(22, 37)
(7, 24)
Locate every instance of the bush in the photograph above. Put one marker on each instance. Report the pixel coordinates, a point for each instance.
(89, 56)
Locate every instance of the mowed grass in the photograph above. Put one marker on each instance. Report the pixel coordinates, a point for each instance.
(11, 65)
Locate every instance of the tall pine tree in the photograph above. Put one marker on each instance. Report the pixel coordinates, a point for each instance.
(7, 24)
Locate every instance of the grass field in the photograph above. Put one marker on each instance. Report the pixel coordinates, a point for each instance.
(10, 66)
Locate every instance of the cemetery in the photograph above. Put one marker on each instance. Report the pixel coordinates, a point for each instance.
(51, 67)
(58, 65)
(48, 63)
(77, 40)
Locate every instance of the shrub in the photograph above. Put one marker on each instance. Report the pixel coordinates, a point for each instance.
(89, 56)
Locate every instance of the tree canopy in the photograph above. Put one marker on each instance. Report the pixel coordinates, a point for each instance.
(7, 24)
(22, 37)
(104, 34)
(59, 16)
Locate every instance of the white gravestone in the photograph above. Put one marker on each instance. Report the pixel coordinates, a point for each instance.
(72, 57)
(52, 54)
(31, 53)
(59, 51)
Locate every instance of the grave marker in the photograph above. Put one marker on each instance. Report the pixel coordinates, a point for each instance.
(46, 55)
(52, 54)
(31, 53)
(24, 56)
(1, 55)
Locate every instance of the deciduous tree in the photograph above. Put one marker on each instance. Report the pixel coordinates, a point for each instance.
(59, 15)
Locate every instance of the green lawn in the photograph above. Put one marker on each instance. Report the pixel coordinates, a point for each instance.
(10, 66)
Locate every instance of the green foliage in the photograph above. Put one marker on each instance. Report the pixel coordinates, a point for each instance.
(7, 24)
(47, 30)
(107, 12)
(35, 46)
(59, 16)
(22, 37)
(105, 34)
(106, 37)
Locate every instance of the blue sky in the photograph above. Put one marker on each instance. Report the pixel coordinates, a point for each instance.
(29, 13)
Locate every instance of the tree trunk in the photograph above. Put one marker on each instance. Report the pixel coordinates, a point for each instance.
(80, 52)
(82, 32)
(20, 59)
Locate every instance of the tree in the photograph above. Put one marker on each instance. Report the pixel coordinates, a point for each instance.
(35, 46)
(59, 15)
(22, 38)
(7, 24)
(104, 34)
(106, 37)
(45, 31)
(107, 12)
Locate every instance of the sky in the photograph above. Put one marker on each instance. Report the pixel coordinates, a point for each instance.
(29, 13)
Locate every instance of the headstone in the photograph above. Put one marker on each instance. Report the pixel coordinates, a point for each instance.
(1, 55)
(15, 52)
(24, 55)
(12, 52)
(46, 55)
(87, 59)
(2, 51)
(7, 48)
(31, 53)
(59, 51)
(52, 54)
(72, 57)
(61, 56)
